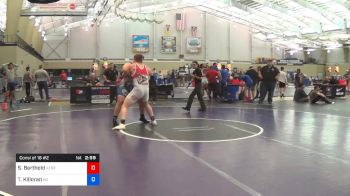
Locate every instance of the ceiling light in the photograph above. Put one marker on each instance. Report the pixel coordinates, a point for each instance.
(328, 51)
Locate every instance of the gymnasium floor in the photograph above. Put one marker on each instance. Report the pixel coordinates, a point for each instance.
(284, 149)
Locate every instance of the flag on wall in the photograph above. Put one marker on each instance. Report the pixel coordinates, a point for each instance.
(180, 22)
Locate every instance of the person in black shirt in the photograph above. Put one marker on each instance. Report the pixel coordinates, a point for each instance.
(115, 73)
(109, 76)
(268, 75)
(253, 74)
(197, 76)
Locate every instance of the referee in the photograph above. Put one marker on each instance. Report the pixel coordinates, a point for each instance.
(268, 75)
(197, 77)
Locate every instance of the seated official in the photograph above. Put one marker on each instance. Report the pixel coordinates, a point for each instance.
(300, 95)
(317, 95)
(93, 81)
(333, 80)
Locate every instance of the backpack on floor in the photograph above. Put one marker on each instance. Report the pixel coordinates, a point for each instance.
(27, 99)
(241, 95)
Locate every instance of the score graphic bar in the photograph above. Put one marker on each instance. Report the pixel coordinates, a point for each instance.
(57, 169)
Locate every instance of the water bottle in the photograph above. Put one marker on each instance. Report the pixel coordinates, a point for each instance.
(4, 106)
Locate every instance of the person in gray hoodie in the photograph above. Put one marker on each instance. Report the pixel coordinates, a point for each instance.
(42, 77)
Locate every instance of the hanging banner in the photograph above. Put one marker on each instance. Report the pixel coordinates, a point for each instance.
(140, 43)
(167, 31)
(168, 44)
(289, 62)
(193, 45)
(194, 31)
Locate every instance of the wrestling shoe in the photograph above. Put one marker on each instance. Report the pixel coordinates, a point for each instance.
(154, 122)
(115, 122)
(119, 127)
(144, 120)
(185, 108)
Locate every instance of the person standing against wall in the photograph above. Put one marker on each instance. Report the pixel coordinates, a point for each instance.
(282, 82)
(268, 75)
(42, 78)
(197, 77)
(27, 80)
(10, 76)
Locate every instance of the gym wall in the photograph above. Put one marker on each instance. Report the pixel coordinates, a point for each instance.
(18, 56)
(220, 40)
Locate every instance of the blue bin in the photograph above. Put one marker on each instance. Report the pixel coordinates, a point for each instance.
(230, 93)
(307, 82)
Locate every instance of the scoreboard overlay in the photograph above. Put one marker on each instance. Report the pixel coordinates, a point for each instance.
(57, 169)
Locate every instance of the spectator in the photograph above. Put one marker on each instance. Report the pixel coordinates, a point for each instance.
(93, 81)
(248, 94)
(63, 77)
(92, 71)
(205, 69)
(153, 90)
(27, 80)
(298, 78)
(2, 79)
(255, 77)
(172, 77)
(215, 67)
(268, 74)
(316, 95)
(155, 75)
(333, 80)
(42, 78)
(108, 76)
(115, 72)
(282, 82)
(258, 85)
(160, 77)
(300, 95)
(234, 80)
(224, 78)
(213, 76)
(347, 77)
(10, 76)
